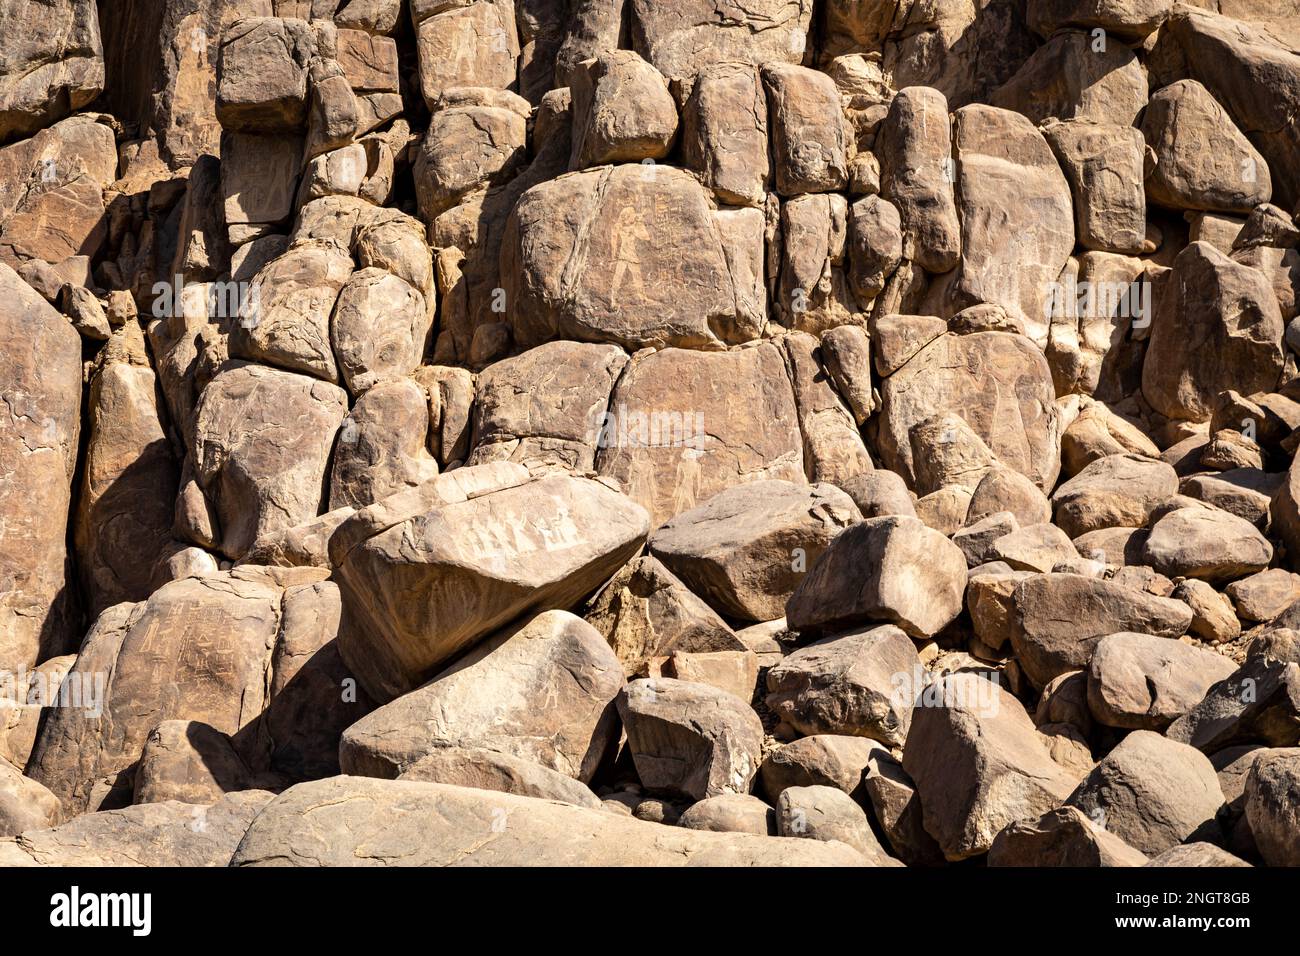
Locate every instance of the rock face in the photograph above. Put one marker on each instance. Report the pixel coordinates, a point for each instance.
(649, 432)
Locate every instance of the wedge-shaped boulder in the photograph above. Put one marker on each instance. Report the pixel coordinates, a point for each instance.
(149, 834)
(685, 425)
(998, 382)
(627, 254)
(1017, 216)
(1206, 543)
(547, 406)
(350, 821)
(260, 448)
(1117, 491)
(1216, 327)
(1202, 161)
(978, 764)
(1062, 837)
(543, 691)
(891, 570)
(859, 684)
(439, 570)
(1057, 620)
(198, 649)
(1152, 792)
(746, 549)
(1141, 682)
(492, 770)
(691, 740)
(190, 762)
(646, 613)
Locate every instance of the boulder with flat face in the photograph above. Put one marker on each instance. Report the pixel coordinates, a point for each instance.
(1273, 805)
(808, 135)
(466, 44)
(978, 764)
(626, 254)
(1141, 682)
(998, 382)
(725, 133)
(262, 74)
(746, 549)
(429, 573)
(543, 692)
(682, 36)
(261, 444)
(1068, 77)
(24, 803)
(492, 770)
(40, 368)
(1206, 543)
(1216, 327)
(379, 328)
(1116, 491)
(382, 446)
(623, 112)
(684, 425)
(1104, 164)
(51, 63)
(690, 739)
(1062, 837)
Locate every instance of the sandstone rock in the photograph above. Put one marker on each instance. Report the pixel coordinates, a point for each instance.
(542, 691)
(24, 803)
(469, 146)
(53, 64)
(622, 111)
(687, 425)
(832, 445)
(989, 379)
(820, 760)
(808, 138)
(859, 684)
(1097, 433)
(1059, 618)
(879, 494)
(1272, 797)
(846, 355)
(1263, 596)
(829, 815)
(1151, 792)
(1104, 165)
(382, 446)
(1062, 837)
(516, 547)
(731, 813)
(989, 602)
(1115, 491)
(1202, 161)
(261, 441)
(1039, 547)
(1260, 701)
(39, 427)
(1068, 78)
(548, 405)
(262, 85)
(491, 770)
(27, 695)
(456, 825)
(1126, 19)
(976, 540)
(725, 131)
(151, 834)
(474, 44)
(646, 613)
(1140, 682)
(891, 569)
(897, 810)
(683, 36)
(1196, 854)
(690, 739)
(1218, 327)
(190, 762)
(379, 328)
(1206, 543)
(978, 764)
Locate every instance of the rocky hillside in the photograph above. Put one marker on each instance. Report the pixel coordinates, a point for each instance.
(837, 432)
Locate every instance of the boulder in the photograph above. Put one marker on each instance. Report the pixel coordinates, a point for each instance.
(428, 575)
(1061, 837)
(1263, 596)
(379, 328)
(829, 815)
(807, 130)
(859, 684)
(1141, 682)
(405, 823)
(1152, 792)
(1071, 76)
(382, 446)
(474, 44)
(54, 64)
(820, 760)
(1104, 165)
(24, 803)
(689, 739)
(492, 770)
(1117, 491)
(542, 692)
(262, 74)
(730, 813)
(622, 111)
(1206, 543)
(1272, 803)
(979, 764)
(190, 762)
(681, 37)
(891, 569)
(725, 132)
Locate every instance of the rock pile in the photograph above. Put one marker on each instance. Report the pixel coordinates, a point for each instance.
(649, 432)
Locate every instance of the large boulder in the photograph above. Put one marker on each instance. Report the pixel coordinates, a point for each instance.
(1062, 837)
(1273, 805)
(998, 382)
(431, 571)
(724, 133)
(40, 417)
(892, 570)
(1206, 543)
(689, 739)
(350, 821)
(492, 770)
(746, 549)
(260, 449)
(684, 425)
(1152, 792)
(979, 764)
(1068, 77)
(1141, 682)
(1217, 326)
(622, 111)
(1116, 491)
(631, 254)
(51, 63)
(682, 36)
(1057, 620)
(542, 692)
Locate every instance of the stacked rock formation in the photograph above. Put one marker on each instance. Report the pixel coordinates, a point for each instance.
(649, 432)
